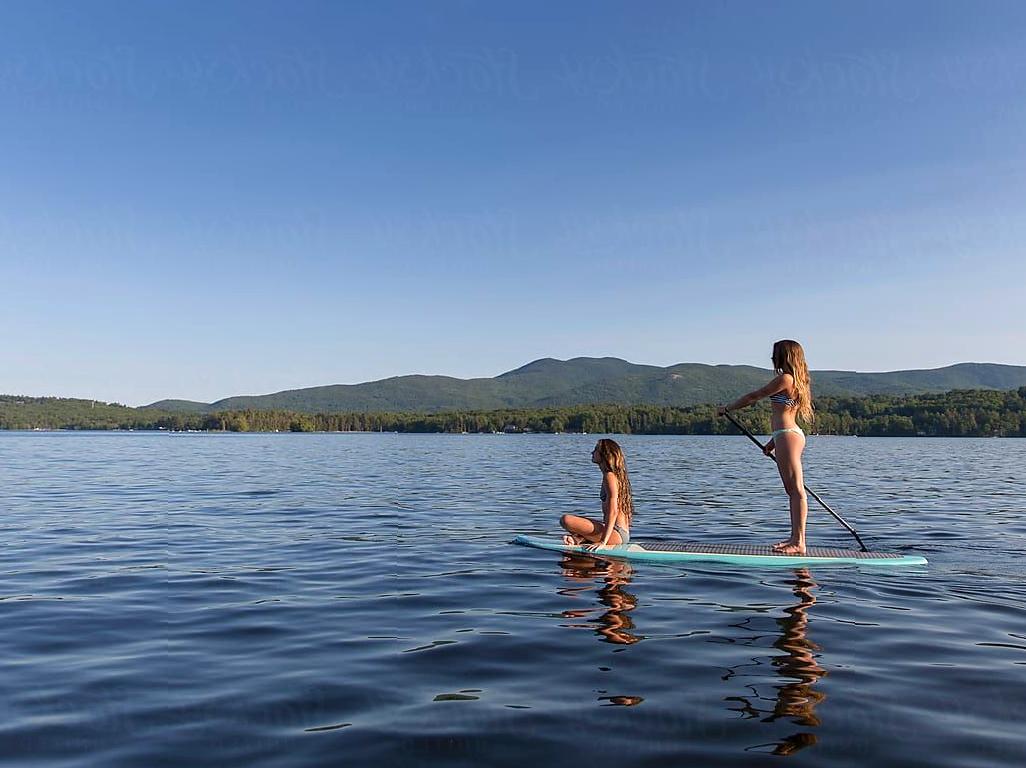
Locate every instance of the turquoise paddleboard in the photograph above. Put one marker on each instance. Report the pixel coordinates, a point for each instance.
(737, 554)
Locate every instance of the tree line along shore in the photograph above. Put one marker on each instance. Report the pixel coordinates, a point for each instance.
(958, 413)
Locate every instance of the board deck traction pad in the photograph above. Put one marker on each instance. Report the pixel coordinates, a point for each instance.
(745, 554)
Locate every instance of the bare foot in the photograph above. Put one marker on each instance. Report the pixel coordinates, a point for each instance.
(782, 544)
(572, 541)
(792, 549)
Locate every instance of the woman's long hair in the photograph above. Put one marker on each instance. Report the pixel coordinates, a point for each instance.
(789, 357)
(611, 459)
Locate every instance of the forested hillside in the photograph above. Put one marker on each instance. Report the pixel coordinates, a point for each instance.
(959, 413)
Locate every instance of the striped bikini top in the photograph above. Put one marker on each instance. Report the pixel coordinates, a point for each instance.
(781, 399)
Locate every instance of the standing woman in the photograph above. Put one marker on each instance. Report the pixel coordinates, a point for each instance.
(790, 395)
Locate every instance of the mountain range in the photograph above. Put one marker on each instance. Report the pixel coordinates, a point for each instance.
(582, 380)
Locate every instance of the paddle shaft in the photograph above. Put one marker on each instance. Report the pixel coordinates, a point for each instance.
(808, 490)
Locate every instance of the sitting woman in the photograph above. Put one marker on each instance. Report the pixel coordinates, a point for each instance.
(617, 503)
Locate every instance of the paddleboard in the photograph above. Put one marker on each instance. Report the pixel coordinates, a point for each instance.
(737, 554)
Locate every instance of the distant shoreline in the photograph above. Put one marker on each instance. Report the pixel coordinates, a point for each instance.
(66, 431)
(958, 413)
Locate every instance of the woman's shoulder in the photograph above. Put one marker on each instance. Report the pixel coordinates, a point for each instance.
(784, 382)
(610, 478)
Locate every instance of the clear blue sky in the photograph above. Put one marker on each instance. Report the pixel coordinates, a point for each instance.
(207, 199)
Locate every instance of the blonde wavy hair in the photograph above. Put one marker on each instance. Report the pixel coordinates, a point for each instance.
(789, 357)
(611, 459)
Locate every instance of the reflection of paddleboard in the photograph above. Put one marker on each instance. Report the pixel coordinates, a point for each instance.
(738, 554)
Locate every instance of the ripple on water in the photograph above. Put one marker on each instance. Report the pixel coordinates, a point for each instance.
(287, 599)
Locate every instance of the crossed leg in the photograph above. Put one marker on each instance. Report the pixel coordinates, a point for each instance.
(582, 529)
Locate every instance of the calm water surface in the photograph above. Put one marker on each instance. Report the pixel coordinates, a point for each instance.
(294, 600)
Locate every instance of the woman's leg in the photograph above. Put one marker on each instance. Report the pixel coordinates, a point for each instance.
(581, 529)
(789, 447)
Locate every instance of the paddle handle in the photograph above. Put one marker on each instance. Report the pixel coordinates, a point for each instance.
(808, 490)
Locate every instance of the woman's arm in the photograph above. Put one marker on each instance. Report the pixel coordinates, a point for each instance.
(779, 382)
(610, 509)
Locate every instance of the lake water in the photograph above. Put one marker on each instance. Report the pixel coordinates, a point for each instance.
(311, 599)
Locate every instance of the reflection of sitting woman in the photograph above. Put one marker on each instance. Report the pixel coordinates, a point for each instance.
(615, 624)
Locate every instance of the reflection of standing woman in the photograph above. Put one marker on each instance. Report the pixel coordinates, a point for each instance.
(790, 395)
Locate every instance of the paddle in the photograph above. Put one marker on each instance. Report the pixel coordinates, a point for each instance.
(808, 490)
